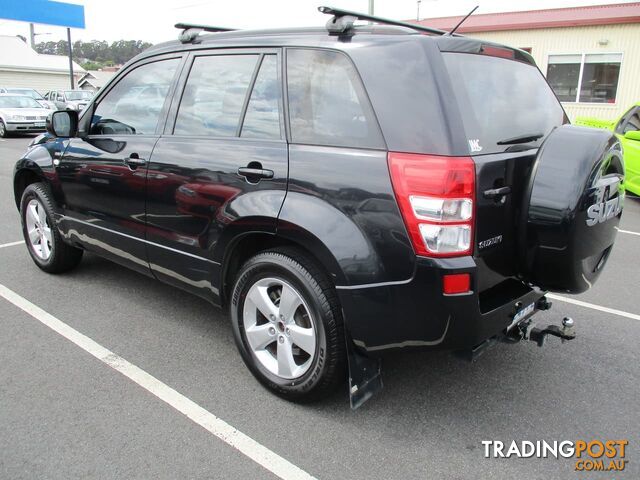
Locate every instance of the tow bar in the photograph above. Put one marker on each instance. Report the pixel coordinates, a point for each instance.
(528, 330)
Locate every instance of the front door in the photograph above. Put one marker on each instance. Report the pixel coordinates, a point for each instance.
(221, 166)
(103, 171)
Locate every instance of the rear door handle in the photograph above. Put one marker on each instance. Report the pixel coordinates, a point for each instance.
(255, 173)
(496, 192)
(134, 160)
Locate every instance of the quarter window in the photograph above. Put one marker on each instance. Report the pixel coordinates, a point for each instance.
(633, 123)
(262, 119)
(327, 103)
(585, 78)
(214, 95)
(134, 105)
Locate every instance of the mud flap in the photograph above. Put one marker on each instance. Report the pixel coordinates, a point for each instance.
(365, 379)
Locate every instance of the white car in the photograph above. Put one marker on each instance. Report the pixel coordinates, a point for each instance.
(21, 114)
(29, 92)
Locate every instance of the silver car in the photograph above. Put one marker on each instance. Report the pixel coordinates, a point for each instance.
(69, 99)
(21, 114)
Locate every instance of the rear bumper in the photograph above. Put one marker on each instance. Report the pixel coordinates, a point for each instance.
(26, 127)
(416, 313)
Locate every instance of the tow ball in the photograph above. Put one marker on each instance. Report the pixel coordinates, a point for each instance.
(529, 331)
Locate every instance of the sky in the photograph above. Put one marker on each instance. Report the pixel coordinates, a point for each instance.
(153, 20)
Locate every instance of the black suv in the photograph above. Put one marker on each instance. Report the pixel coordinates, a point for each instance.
(344, 191)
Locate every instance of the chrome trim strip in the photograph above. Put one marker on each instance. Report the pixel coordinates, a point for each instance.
(373, 285)
(65, 217)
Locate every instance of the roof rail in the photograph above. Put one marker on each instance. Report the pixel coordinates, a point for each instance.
(342, 22)
(190, 31)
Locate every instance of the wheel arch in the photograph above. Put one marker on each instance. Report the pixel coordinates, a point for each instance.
(37, 165)
(24, 177)
(246, 245)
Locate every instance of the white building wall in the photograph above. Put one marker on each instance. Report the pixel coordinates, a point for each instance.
(623, 39)
(40, 81)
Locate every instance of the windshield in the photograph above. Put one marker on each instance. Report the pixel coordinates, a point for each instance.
(501, 101)
(19, 101)
(25, 91)
(77, 95)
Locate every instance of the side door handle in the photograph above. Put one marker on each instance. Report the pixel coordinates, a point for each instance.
(255, 174)
(134, 160)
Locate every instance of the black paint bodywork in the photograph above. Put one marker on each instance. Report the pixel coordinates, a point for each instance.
(180, 217)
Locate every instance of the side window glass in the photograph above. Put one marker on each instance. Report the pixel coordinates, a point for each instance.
(633, 124)
(623, 120)
(327, 102)
(262, 119)
(134, 105)
(214, 95)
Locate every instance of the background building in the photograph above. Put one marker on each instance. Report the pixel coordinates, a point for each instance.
(94, 80)
(590, 55)
(21, 66)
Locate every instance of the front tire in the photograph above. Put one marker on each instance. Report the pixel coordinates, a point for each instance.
(288, 326)
(44, 242)
(3, 130)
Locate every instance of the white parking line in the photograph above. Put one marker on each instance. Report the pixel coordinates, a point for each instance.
(629, 232)
(580, 303)
(218, 427)
(12, 244)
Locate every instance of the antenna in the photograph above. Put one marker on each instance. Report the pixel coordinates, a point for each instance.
(463, 20)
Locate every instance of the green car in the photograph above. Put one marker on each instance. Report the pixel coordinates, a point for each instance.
(627, 129)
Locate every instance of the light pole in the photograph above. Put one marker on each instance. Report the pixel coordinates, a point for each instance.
(371, 7)
(418, 12)
(33, 35)
(70, 58)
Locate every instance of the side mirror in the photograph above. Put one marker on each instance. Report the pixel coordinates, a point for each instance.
(63, 123)
(633, 135)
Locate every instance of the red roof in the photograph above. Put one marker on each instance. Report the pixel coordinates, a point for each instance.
(532, 19)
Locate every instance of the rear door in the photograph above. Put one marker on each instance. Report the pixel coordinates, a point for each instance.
(220, 168)
(103, 171)
(507, 111)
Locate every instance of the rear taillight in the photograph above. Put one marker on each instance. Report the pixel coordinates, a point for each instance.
(436, 198)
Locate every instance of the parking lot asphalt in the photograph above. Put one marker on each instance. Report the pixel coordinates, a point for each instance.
(64, 414)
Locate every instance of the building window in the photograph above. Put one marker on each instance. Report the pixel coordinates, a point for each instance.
(585, 78)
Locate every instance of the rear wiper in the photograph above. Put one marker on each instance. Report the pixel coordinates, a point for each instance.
(527, 137)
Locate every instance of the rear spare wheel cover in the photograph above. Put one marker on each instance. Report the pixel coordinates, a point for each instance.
(571, 208)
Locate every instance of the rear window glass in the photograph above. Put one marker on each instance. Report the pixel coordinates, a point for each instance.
(262, 119)
(327, 103)
(214, 95)
(501, 100)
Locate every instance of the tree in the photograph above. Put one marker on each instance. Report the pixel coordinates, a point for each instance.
(97, 53)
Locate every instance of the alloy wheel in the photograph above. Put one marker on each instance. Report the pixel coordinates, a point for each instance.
(38, 230)
(279, 328)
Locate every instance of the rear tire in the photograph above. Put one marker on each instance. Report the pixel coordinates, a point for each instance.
(296, 349)
(44, 242)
